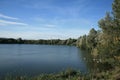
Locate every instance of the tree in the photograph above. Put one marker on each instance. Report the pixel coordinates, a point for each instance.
(110, 26)
(19, 40)
(81, 42)
(91, 39)
(116, 10)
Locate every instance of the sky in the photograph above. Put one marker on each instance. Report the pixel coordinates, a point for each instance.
(50, 19)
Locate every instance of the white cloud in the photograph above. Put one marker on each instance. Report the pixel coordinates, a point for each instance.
(5, 22)
(7, 17)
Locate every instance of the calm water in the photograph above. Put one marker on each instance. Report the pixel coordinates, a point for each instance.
(21, 59)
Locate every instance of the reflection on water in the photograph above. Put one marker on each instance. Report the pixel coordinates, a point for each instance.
(21, 59)
(88, 60)
(93, 64)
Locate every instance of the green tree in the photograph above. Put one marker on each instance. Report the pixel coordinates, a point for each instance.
(110, 25)
(91, 39)
(81, 42)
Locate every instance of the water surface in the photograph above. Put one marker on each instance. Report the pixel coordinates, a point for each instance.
(26, 59)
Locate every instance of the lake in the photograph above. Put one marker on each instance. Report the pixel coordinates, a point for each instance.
(27, 59)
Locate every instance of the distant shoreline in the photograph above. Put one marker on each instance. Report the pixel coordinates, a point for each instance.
(40, 41)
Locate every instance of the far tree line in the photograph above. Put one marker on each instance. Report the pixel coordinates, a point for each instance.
(69, 41)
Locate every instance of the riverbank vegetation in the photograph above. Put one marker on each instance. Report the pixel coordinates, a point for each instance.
(70, 74)
(103, 45)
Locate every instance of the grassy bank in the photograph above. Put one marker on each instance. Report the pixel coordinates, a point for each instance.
(69, 74)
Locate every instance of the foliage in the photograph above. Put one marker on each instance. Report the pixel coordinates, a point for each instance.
(41, 41)
(71, 75)
(105, 43)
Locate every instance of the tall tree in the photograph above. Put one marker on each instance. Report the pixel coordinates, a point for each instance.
(116, 14)
(110, 26)
(91, 39)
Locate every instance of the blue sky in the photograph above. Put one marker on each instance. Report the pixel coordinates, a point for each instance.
(50, 19)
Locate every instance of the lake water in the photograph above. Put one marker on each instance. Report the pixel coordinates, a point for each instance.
(26, 59)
